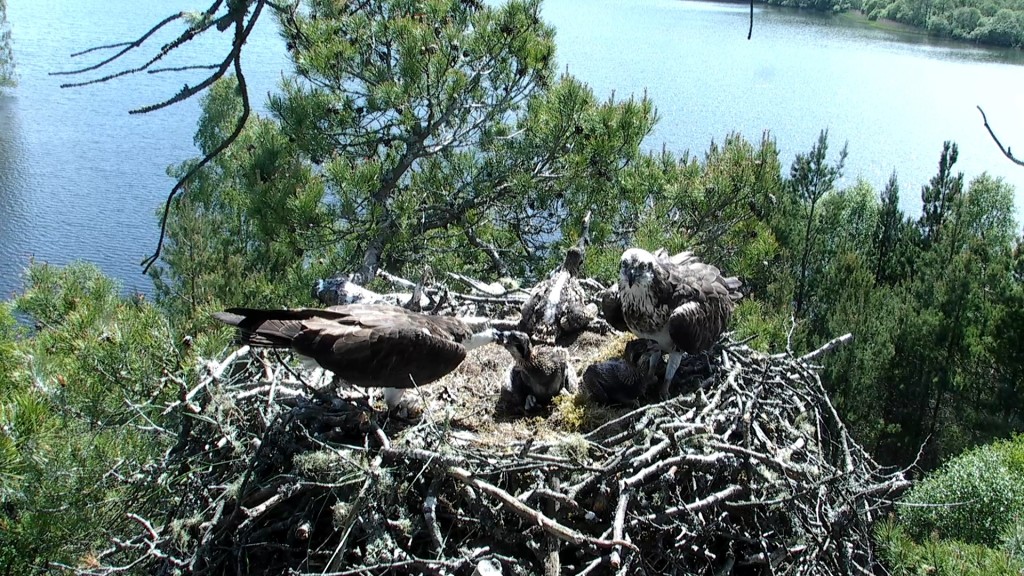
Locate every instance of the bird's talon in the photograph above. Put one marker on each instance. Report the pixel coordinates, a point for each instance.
(531, 402)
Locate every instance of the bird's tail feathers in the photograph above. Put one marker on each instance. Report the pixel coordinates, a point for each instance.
(229, 318)
(266, 328)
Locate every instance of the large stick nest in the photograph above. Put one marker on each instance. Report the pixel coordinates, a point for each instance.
(275, 472)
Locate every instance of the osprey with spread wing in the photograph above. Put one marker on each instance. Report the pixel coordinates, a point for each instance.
(678, 301)
(370, 345)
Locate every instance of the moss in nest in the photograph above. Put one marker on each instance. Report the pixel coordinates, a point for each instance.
(612, 348)
(404, 526)
(231, 488)
(326, 466)
(339, 514)
(576, 448)
(182, 530)
(570, 412)
(578, 413)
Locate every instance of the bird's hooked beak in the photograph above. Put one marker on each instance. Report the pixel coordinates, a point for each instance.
(517, 343)
(629, 275)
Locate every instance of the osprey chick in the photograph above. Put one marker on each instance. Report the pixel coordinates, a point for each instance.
(678, 301)
(540, 372)
(370, 345)
(624, 380)
(558, 305)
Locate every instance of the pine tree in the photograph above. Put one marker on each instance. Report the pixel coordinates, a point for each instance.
(939, 197)
(6, 54)
(811, 177)
(891, 237)
(414, 131)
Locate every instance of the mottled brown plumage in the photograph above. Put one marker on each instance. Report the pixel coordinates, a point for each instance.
(371, 345)
(540, 372)
(678, 301)
(558, 305)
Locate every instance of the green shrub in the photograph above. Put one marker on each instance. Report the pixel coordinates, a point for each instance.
(1013, 540)
(1012, 453)
(973, 498)
(79, 416)
(902, 556)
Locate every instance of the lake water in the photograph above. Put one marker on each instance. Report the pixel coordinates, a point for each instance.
(894, 97)
(80, 179)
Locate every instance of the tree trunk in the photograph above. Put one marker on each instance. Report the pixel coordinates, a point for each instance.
(802, 286)
(372, 256)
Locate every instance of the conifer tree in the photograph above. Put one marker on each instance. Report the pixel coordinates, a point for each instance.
(939, 196)
(6, 54)
(891, 237)
(413, 131)
(811, 177)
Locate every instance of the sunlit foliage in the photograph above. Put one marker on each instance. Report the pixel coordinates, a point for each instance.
(6, 54)
(76, 422)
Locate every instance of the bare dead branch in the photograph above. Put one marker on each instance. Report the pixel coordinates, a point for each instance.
(750, 31)
(1004, 149)
(184, 180)
(242, 16)
(128, 47)
(184, 68)
(550, 526)
(827, 347)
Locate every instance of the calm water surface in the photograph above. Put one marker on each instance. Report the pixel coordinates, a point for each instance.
(80, 179)
(894, 97)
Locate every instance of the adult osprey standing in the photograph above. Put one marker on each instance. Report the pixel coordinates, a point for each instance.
(370, 345)
(678, 301)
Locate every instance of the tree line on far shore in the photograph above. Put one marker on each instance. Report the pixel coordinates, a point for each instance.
(991, 22)
(6, 55)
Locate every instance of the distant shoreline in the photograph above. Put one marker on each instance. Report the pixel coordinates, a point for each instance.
(858, 17)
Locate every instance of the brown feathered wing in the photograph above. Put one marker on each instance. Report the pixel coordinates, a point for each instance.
(363, 344)
(703, 301)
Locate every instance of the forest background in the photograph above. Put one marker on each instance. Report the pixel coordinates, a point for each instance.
(437, 131)
(994, 22)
